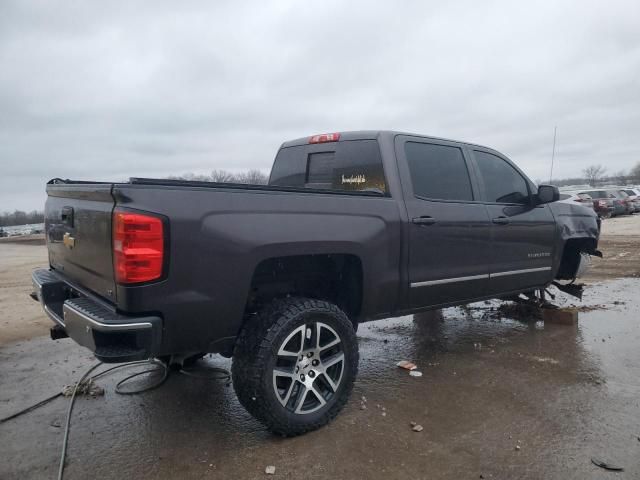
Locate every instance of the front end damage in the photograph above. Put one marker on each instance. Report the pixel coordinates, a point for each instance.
(579, 230)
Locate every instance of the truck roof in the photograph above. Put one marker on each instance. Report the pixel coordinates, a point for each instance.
(374, 135)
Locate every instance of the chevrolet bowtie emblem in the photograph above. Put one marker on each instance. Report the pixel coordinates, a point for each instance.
(68, 240)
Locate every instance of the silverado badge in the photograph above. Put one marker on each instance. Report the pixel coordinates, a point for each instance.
(68, 240)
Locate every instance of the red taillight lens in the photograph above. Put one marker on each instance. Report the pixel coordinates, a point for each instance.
(324, 138)
(138, 247)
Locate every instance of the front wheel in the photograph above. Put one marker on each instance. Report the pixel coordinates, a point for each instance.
(294, 366)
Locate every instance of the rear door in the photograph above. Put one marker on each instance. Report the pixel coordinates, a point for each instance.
(449, 230)
(522, 234)
(78, 229)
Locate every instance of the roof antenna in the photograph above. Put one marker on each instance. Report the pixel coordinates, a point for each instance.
(553, 152)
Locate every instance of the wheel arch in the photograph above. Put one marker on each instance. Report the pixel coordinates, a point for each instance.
(334, 277)
(570, 259)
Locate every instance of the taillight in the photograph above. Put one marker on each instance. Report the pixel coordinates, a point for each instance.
(324, 138)
(138, 247)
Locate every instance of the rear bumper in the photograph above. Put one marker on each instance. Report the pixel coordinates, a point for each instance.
(111, 336)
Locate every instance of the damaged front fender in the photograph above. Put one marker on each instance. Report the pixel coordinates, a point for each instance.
(576, 221)
(578, 234)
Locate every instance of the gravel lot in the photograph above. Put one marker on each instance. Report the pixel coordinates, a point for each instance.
(501, 397)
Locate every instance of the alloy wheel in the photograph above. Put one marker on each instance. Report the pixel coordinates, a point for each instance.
(309, 368)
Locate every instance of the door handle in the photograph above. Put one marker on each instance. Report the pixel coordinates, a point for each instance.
(501, 220)
(424, 220)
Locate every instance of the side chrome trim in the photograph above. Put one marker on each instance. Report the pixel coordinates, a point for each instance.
(518, 272)
(478, 277)
(449, 280)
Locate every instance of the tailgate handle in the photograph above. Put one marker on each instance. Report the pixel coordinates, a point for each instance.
(67, 216)
(424, 220)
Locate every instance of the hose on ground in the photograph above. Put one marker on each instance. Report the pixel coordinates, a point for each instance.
(215, 373)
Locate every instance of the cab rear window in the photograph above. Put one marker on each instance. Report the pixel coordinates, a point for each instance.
(354, 165)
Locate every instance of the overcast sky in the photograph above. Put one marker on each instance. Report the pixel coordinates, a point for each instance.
(105, 91)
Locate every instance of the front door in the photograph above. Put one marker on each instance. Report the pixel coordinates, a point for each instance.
(522, 234)
(448, 231)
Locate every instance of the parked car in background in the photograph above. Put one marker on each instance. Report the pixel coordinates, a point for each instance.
(603, 203)
(581, 198)
(634, 196)
(626, 203)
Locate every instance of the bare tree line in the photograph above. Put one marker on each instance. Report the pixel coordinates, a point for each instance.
(595, 175)
(18, 217)
(251, 177)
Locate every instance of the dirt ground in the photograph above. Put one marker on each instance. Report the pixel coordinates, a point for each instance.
(620, 246)
(21, 317)
(500, 397)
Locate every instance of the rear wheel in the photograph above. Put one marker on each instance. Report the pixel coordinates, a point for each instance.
(294, 366)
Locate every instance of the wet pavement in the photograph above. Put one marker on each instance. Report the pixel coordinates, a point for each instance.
(562, 394)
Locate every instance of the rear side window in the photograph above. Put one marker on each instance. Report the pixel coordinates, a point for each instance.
(438, 172)
(502, 182)
(354, 165)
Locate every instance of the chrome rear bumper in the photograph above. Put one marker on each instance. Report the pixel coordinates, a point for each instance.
(90, 322)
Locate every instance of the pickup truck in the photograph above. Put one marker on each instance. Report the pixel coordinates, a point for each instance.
(352, 226)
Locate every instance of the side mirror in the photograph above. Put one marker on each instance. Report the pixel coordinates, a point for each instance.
(548, 194)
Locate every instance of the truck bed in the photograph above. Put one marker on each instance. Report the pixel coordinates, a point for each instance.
(218, 236)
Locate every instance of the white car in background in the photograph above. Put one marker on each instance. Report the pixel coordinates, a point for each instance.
(581, 198)
(634, 196)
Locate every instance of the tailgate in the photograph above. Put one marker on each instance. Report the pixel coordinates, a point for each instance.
(78, 230)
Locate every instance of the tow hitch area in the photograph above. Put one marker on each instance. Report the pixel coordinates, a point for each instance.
(57, 332)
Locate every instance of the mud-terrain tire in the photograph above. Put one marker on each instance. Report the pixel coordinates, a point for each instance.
(294, 364)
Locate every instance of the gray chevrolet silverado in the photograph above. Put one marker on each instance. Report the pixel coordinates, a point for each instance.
(352, 226)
